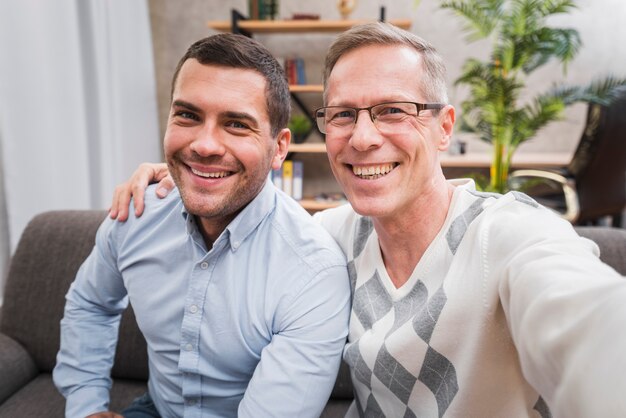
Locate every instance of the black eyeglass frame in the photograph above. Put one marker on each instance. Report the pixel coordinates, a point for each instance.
(418, 106)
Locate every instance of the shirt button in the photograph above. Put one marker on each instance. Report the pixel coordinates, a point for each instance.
(188, 347)
(236, 244)
(193, 309)
(204, 265)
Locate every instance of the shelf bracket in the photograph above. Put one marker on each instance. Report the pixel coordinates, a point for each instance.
(306, 112)
(235, 17)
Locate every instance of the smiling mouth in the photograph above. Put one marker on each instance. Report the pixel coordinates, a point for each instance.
(373, 172)
(213, 175)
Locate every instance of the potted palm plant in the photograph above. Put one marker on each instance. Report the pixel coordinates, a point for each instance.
(522, 43)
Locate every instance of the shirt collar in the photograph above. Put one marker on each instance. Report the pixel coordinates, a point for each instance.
(246, 221)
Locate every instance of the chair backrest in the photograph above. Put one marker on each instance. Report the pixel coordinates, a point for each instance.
(49, 253)
(599, 163)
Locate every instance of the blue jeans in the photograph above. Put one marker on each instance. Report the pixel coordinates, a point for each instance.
(142, 407)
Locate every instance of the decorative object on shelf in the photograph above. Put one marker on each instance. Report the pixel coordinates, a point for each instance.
(457, 147)
(346, 7)
(522, 43)
(300, 127)
(305, 16)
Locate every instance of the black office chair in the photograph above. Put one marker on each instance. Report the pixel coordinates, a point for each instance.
(593, 185)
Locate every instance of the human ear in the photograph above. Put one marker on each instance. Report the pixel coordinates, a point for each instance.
(445, 122)
(282, 148)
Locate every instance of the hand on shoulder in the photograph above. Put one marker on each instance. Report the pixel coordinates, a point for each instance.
(135, 186)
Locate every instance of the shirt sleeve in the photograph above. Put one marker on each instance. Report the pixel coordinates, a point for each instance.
(566, 312)
(89, 330)
(299, 367)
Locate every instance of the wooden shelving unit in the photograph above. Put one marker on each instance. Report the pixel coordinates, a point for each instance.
(308, 147)
(240, 24)
(316, 205)
(296, 26)
(306, 88)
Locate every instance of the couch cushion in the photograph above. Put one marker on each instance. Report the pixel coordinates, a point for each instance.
(41, 399)
(17, 367)
(51, 249)
(612, 243)
(49, 253)
(336, 408)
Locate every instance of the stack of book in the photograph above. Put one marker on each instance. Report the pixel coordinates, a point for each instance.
(263, 9)
(288, 178)
(294, 69)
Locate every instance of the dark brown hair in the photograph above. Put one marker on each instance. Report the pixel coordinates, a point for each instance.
(238, 51)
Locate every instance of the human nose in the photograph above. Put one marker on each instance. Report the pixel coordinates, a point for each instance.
(365, 135)
(208, 142)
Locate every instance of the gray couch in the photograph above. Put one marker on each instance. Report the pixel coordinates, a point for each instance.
(49, 253)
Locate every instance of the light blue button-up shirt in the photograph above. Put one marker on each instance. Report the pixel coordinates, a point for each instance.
(253, 327)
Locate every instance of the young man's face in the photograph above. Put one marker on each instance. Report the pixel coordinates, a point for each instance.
(218, 144)
(384, 172)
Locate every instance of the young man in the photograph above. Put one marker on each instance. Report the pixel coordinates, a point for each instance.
(242, 298)
(465, 304)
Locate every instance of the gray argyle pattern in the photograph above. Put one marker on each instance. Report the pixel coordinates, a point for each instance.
(414, 317)
(372, 303)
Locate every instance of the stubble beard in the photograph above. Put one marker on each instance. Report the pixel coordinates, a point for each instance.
(203, 204)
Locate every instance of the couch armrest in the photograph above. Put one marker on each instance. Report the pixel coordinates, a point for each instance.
(17, 367)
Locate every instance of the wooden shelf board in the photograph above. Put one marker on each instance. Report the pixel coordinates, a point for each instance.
(311, 204)
(297, 26)
(483, 160)
(313, 147)
(306, 88)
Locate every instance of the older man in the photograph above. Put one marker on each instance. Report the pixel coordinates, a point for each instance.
(465, 304)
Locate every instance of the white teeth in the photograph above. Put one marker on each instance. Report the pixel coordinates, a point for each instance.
(372, 171)
(218, 174)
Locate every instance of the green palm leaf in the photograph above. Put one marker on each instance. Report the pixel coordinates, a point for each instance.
(523, 42)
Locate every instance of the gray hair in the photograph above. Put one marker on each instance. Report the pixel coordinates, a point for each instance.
(379, 33)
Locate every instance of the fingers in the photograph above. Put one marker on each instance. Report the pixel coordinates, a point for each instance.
(165, 186)
(144, 175)
(160, 171)
(121, 200)
(135, 188)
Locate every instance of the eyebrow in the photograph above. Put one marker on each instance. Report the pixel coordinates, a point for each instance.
(241, 116)
(186, 105)
(227, 114)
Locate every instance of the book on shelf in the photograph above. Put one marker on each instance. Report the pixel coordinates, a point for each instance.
(300, 74)
(262, 9)
(296, 187)
(289, 177)
(294, 70)
(277, 178)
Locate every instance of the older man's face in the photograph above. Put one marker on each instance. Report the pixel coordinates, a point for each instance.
(384, 172)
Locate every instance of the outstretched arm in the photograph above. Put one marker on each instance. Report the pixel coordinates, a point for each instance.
(146, 173)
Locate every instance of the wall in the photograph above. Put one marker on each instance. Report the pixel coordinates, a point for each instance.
(600, 23)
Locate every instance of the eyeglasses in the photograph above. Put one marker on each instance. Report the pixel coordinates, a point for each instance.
(341, 119)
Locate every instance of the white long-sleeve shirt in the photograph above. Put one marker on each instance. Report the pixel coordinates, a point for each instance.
(509, 313)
